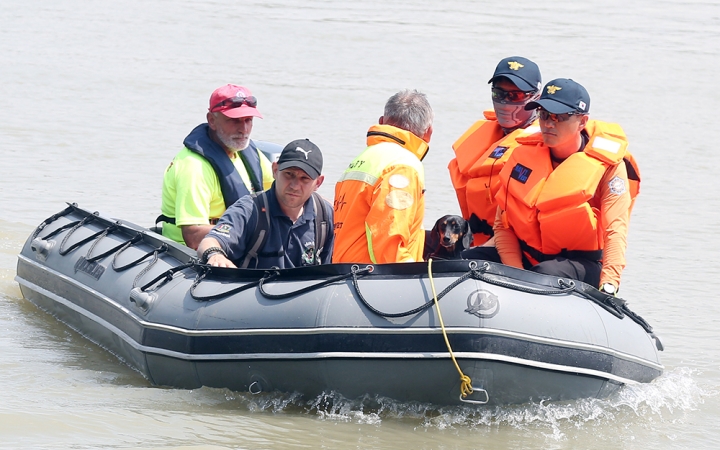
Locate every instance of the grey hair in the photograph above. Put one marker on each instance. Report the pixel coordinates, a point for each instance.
(409, 110)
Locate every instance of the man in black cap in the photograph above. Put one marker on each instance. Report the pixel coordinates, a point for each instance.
(289, 225)
(566, 193)
(483, 149)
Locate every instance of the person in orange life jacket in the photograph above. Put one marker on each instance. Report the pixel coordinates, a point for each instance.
(379, 199)
(483, 149)
(576, 224)
(291, 215)
(218, 164)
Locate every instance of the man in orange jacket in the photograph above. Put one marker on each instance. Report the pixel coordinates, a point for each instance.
(566, 193)
(482, 150)
(379, 200)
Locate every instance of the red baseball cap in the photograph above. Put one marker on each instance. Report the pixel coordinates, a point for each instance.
(234, 101)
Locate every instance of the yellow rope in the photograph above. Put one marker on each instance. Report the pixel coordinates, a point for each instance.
(465, 381)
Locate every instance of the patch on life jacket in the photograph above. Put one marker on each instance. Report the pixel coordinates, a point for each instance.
(399, 200)
(223, 229)
(498, 152)
(617, 185)
(398, 181)
(520, 173)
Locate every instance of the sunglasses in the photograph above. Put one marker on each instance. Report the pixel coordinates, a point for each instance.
(503, 96)
(544, 115)
(235, 102)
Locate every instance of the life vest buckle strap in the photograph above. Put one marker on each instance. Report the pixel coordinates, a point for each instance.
(592, 255)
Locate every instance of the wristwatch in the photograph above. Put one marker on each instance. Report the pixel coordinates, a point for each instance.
(608, 288)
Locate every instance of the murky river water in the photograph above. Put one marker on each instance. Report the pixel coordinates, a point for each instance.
(96, 97)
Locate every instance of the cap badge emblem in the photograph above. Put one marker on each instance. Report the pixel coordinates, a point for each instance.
(582, 105)
(304, 152)
(553, 89)
(514, 65)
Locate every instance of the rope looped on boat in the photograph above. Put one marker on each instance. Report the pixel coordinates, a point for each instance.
(206, 270)
(466, 387)
(71, 207)
(355, 271)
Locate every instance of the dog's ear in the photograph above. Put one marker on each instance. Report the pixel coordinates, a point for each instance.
(467, 234)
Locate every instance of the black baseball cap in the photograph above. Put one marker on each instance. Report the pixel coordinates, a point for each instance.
(562, 95)
(304, 155)
(524, 73)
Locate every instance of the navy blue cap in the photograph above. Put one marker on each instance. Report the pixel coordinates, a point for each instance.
(304, 155)
(562, 95)
(524, 73)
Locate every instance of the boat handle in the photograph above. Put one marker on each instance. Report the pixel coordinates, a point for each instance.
(255, 388)
(476, 402)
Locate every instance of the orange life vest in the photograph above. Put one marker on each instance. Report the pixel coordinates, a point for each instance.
(548, 209)
(480, 154)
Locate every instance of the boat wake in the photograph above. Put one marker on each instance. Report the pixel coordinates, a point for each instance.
(674, 393)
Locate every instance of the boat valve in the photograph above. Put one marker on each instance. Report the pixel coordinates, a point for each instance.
(41, 247)
(142, 299)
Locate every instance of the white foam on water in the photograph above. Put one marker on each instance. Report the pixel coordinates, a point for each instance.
(664, 400)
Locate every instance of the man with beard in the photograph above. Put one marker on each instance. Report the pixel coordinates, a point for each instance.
(218, 165)
(482, 150)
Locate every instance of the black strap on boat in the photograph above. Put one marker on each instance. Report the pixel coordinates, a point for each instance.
(135, 239)
(76, 224)
(71, 207)
(167, 275)
(145, 270)
(355, 272)
(64, 251)
(99, 238)
(156, 251)
(207, 270)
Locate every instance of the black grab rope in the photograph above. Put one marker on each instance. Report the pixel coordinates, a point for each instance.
(71, 207)
(355, 272)
(154, 252)
(135, 239)
(167, 275)
(75, 225)
(207, 270)
(474, 273)
(64, 251)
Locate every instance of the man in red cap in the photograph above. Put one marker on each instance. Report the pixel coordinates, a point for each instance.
(218, 165)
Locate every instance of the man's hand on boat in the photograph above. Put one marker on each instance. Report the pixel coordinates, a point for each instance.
(210, 252)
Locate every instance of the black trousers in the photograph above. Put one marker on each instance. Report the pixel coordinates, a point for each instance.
(581, 269)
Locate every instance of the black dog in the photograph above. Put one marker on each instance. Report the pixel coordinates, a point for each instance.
(450, 236)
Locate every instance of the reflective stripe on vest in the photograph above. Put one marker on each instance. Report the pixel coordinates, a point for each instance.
(371, 163)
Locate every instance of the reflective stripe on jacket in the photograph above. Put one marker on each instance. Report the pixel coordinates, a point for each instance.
(379, 200)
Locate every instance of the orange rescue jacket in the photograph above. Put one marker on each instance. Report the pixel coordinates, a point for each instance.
(379, 200)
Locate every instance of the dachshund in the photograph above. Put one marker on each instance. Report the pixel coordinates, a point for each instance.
(450, 236)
